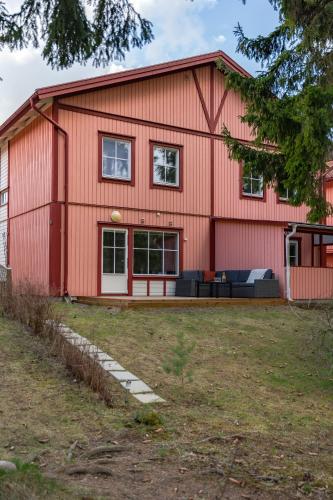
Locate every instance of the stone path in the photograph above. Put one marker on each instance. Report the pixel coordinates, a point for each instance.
(130, 382)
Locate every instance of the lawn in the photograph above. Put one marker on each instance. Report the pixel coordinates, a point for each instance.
(255, 420)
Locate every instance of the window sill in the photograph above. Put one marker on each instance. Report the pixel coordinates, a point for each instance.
(129, 182)
(155, 276)
(253, 197)
(166, 186)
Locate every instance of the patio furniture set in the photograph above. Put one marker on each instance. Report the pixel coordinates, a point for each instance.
(250, 283)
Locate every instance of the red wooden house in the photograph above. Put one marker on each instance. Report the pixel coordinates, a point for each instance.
(112, 185)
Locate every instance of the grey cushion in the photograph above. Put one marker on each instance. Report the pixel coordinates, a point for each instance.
(234, 276)
(242, 284)
(243, 275)
(193, 275)
(268, 274)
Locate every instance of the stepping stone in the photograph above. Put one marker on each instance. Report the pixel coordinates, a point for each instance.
(79, 341)
(141, 391)
(122, 376)
(102, 356)
(7, 466)
(136, 386)
(148, 398)
(111, 366)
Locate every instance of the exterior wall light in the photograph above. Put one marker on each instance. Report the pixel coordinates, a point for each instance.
(116, 216)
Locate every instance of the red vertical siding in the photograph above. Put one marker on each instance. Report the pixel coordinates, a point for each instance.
(228, 202)
(249, 245)
(83, 241)
(83, 160)
(169, 99)
(29, 249)
(31, 167)
(311, 283)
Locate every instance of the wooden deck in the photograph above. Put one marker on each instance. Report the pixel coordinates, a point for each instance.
(158, 302)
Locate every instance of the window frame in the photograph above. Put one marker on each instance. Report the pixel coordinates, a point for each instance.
(4, 191)
(249, 196)
(296, 240)
(177, 252)
(282, 199)
(114, 247)
(116, 137)
(158, 185)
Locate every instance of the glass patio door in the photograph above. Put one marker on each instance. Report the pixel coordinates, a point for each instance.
(114, 261)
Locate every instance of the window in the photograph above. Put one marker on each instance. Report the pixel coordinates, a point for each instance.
(285, 194)
(156, 253)
(166, 165)
(4, 198)
(116, 158)
(253, 185)
(114, 251)
(294, 253)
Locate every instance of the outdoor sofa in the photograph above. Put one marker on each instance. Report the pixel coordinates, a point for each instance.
(250, 283)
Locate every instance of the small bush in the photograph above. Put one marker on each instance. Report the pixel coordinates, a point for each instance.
(179, 358)
(148, 417)
(28, 303)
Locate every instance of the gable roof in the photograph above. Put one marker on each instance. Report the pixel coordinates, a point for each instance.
(46, 94)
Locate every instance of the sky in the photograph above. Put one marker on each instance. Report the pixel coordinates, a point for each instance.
(182, 28)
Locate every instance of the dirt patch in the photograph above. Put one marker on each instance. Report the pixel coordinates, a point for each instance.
(140, 468)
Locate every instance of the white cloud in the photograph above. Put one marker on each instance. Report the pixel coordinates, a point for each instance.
(115, 67)
(220, 39)
(178, 27)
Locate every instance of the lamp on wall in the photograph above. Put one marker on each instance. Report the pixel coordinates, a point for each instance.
(116, 216)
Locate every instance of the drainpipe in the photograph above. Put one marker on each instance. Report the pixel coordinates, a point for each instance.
(288, 237)
(58, 128)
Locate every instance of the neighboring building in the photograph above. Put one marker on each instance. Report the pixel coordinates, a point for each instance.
(145, 143)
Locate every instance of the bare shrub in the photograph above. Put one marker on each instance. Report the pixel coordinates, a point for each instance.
(29, 304)
(83, 366)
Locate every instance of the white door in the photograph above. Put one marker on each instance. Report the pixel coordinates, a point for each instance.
(114, 261)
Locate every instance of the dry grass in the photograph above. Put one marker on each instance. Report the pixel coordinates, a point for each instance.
(259, 408)
(29, 304)
(257, 373)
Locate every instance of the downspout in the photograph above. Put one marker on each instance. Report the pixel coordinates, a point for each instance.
(288, 237)
(56, 125)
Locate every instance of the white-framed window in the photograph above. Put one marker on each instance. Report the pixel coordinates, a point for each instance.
(166, 165)
(114, 251)
(253, 185)
(3, 198)
(155, 253)
(294, 253)
(116, 158)
(285, 193)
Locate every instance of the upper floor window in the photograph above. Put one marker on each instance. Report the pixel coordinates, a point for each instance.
(166, 165)
(3, 198)
(285, 194)
(253, 185)
(117, 158)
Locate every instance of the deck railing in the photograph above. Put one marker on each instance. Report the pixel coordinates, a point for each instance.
(311, 283)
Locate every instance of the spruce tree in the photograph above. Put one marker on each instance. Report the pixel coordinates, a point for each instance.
(68, 35)
(289, 103)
